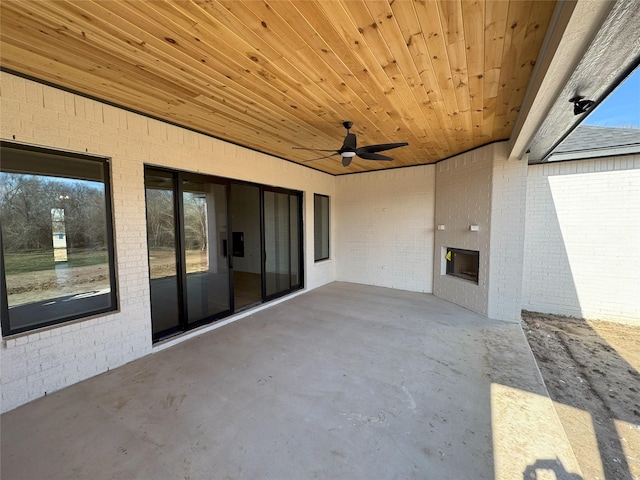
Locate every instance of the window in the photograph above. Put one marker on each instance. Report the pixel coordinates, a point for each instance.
(321, 226)
(56, 238)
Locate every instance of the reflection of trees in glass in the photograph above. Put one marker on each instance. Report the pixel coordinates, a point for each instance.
(160, 226)
(25, 212)
(161, 231)
(195, 221)
(160, 220)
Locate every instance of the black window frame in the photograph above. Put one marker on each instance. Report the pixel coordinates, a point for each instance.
(318, 255)
(59, 156)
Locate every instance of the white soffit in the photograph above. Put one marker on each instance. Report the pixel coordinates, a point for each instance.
(611, 56)
(587, 49)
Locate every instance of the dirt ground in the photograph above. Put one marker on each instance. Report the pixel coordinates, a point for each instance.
(592, 371)
(43, 285)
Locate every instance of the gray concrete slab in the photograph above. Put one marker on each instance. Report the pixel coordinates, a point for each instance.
(346, 381)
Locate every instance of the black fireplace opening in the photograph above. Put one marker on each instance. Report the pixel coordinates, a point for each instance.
(463, 264)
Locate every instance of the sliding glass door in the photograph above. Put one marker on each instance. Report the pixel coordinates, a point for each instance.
(166, 301)
(204, 222)
(216, 246)
(187, 238)
(282, 241)
(247, 245)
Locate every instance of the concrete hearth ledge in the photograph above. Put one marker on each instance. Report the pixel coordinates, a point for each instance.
(346, 381)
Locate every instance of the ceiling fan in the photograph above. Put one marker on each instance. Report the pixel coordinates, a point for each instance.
(350, 150)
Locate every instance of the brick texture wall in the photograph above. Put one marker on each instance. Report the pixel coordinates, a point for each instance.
(484, 188)
(508, 205)
(385, 228)
(41, 362)
(582, 238)
(463, 198)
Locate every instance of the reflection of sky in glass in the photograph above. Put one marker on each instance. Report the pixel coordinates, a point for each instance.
(621, 108)
(61, 181)
(74, 182)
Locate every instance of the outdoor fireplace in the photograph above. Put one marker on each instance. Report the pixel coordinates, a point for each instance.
(463, 263)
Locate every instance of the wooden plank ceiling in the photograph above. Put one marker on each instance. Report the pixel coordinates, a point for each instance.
(446, 76)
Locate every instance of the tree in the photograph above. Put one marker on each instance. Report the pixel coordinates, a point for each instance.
(26, 202)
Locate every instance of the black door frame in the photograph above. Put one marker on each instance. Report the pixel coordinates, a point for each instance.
(177, 177)
(300, 257)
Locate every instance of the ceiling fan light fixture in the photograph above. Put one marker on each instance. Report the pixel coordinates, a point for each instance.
(348, 154)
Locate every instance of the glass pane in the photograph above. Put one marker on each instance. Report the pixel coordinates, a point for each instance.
(283, 240)
(321, 227)
(205, 233)
(276, 229)
(165, 309)
(247, 245)
(269, 241)
(55, 238)
(294, 213)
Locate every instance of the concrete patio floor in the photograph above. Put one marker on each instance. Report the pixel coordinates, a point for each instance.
(344, 382)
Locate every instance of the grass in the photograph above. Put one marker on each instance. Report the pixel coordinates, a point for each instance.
(28, 262)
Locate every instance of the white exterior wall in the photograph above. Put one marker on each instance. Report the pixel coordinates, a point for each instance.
(484, 188)
(50, 359)
(582, 238)
(506, 249)
(385, 228)
(463, 198)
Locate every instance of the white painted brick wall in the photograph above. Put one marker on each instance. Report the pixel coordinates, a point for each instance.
(506, 249)
(463, 198)
(385, 228)
(582, 238)
(483, 188)
(47, 360)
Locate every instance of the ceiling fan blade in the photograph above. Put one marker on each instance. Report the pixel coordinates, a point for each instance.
(314, 149)
(373, 156)
(320, 158)
(349, 142)
(346, 161)
(381, 147)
